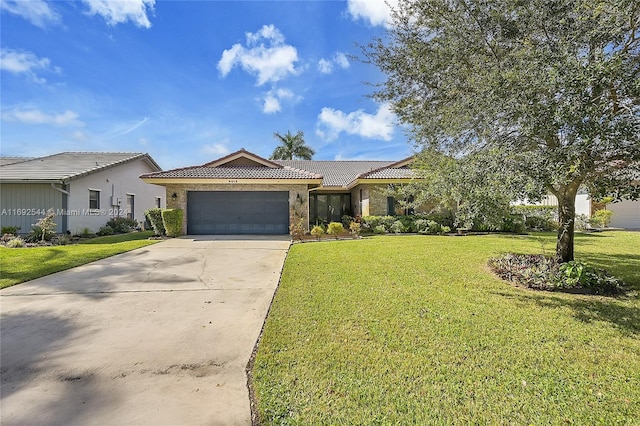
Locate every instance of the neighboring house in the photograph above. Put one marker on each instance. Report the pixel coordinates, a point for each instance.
(243, 193)
(626, 214)
(85, 189)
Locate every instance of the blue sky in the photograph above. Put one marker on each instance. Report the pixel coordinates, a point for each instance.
(190, 81)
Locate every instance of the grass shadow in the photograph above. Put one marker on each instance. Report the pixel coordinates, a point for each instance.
(625, 318)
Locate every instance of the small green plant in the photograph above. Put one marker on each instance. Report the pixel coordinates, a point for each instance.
(354, 228)
(62, 240)
(335, 229)
(445, 230)
(575, 274)
(10, 230)
(86, 232)
(172, 222)
(16, 242)
(317, 231)
(154, 216)
(601, 218)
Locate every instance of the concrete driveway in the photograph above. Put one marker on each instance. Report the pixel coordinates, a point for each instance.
(158, 336)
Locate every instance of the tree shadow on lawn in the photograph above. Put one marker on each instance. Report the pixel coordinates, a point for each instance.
(625, 318)
(624, 266)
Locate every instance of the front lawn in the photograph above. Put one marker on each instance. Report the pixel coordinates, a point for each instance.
(416, 330)
(24, 264)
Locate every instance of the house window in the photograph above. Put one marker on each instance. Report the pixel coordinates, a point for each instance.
(158, 202)
(391, 206)
(94, 199)
(325, 208)
(130, 206)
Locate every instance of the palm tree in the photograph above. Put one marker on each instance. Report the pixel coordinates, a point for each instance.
(292, 148)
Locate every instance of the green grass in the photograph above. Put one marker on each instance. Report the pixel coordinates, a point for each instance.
(416, 330)
(24, 264)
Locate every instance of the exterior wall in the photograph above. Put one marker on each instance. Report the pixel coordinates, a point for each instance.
(114, 184)
(23, 204)
(180, 190)
(626, 214)
(583, 203)
(377, 201)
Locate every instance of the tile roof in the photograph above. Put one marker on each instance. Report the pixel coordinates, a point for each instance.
(247, 172)
(389, 173)
(66, 165)
(5, 161)
(336, 173)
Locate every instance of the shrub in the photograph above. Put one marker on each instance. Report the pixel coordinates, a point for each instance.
(514, 223)
(44, 229)
(346, 220)
(540, 218)
(387, 222)
(397, 227)
(354, 228)
(172, 222)
(581, 222)
(154, 216)
(122, 225)
(445, 230)
(601, 218)
(13, 230)
(371, 222)
(62, 240)
(317, 231)
(105, 230)
(380, 229)
(421, 225)
(335, 229)
(16, 242)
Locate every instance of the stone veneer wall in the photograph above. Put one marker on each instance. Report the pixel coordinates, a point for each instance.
(377, 201)
(181, 191)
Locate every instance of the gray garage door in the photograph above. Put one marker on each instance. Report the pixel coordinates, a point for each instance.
(225, 212)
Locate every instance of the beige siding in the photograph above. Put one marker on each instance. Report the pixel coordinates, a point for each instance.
(23, 204)
(180, 191)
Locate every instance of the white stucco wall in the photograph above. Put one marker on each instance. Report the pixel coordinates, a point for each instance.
(113, 183)
(626, 214)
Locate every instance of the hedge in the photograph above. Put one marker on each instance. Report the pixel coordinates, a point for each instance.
(172, 221)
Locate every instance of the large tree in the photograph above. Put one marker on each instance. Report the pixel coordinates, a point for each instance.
(292, 147)
(552, 85)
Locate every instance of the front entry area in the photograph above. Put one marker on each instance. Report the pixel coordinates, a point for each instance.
(237, 212)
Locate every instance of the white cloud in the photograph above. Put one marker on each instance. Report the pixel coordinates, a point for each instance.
(380, 125)
(37, 12)
(326, 66)
(375, 12)
(266, 55)
(35, 116)
(271, 102)
(24, 62)
(120, 11)
(218, 149)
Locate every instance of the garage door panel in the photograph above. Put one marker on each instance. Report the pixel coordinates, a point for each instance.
(242, 212)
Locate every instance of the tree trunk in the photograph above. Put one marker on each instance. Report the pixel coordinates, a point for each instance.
(566, 216)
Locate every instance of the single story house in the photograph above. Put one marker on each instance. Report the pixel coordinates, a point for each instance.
(243, 193)
(84, 189)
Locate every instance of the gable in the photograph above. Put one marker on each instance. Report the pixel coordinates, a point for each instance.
(243, 158)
